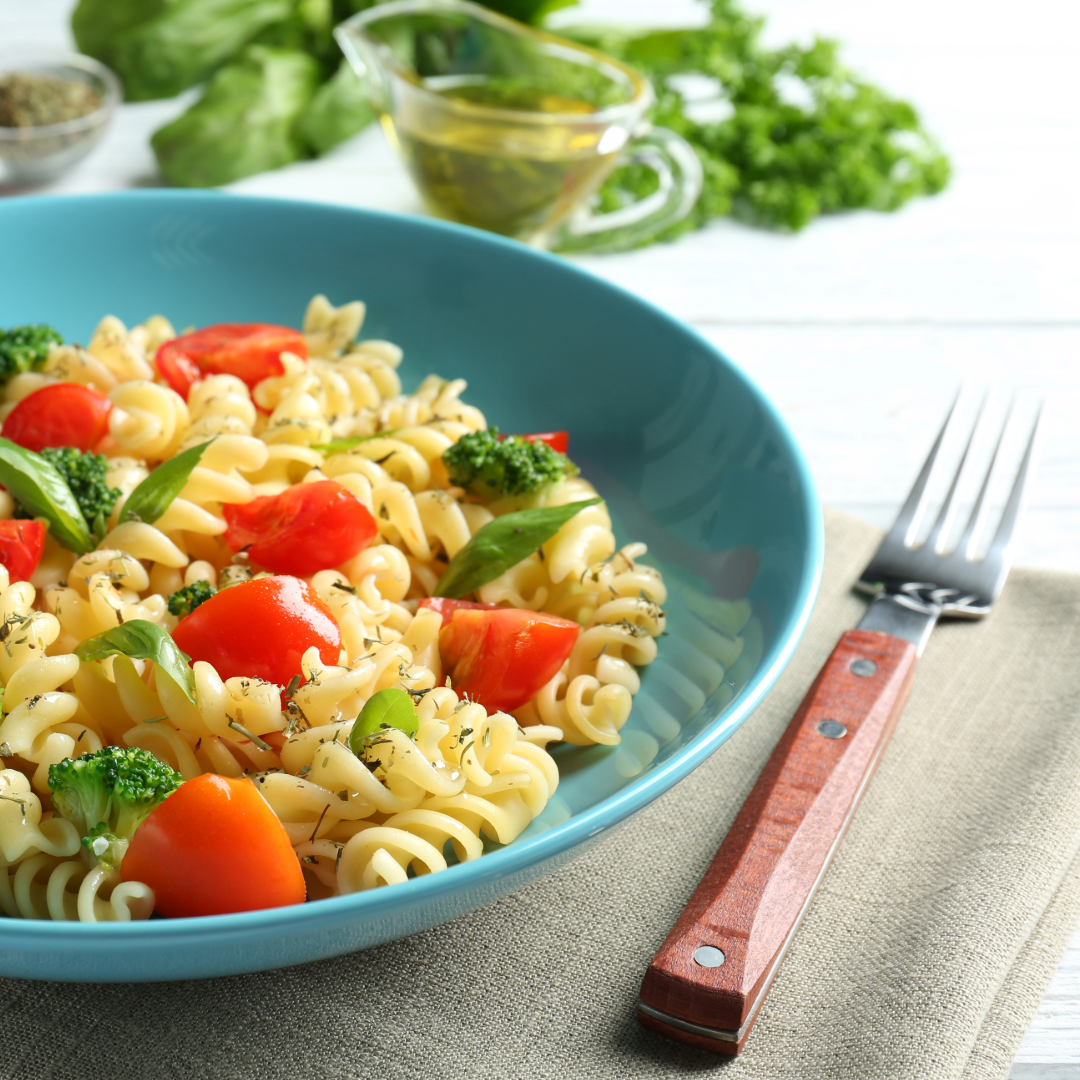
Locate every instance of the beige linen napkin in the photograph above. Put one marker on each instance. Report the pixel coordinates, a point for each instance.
(924, 955)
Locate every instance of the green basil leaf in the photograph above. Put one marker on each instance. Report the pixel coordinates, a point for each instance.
(244, 121)
(101, 526)
(503, 543)
(339, 109)
(38, 485)
(341, 446)
(156, 493)
(142, 640)
(388, 708)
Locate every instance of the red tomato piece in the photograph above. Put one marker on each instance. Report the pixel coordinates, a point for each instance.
(260, 629)
(503, 657)
(307, 528)
(214, 847)
(250, 351)
(21, 545)
(61, 414)
(446, 607)
(559, 441)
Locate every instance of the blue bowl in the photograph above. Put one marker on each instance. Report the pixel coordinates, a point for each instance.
(691, 456)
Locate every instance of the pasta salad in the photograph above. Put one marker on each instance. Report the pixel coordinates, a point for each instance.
(273, 630)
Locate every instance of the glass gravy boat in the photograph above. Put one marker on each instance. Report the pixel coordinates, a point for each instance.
(511, 129)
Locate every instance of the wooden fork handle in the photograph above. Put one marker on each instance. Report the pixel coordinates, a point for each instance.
(764, 876)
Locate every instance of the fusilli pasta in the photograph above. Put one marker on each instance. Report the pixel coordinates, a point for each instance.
(357, 815)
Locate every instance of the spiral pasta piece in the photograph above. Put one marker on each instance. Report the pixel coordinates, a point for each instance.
(22, 830)
(219, 405)
(328, 330)
(148, 419)
(70, 363)
(123, 353)
(65, 890)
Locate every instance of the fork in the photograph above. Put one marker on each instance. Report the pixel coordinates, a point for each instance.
(707, 983)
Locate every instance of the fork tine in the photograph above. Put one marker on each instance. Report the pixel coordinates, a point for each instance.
(976, 522)
(911, 513)
(939, 535)
(1002, 541)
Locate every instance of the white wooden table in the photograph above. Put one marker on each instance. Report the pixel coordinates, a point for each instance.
(862, 327)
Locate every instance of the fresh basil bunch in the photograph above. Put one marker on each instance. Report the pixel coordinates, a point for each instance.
(277, 88)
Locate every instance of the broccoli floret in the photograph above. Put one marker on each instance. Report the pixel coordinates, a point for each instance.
(85, 475)
(184, 601)
(490, 468)
(24, 348)
(108, 794)
(104, 846)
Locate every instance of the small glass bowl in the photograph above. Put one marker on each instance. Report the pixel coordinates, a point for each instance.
(33, 154)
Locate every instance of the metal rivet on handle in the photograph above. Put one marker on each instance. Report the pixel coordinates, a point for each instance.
(864, 667)
(707, 956)
(832, 729)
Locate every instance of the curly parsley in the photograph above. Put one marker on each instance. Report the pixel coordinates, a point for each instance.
(803, 136)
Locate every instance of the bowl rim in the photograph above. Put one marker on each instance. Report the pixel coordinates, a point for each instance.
(14, 59)
(520, 855)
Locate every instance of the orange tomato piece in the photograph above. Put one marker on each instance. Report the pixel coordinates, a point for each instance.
(214, 847)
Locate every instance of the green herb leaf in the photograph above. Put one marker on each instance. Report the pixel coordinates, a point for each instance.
(155, 494)
(142, 640)
(161, 47)
(38, 485)
(101, 527)
(338, 110)
(85, 474)
(341, 446)
(797, 133)
(503, 543)
(391, 708)
(244, 122)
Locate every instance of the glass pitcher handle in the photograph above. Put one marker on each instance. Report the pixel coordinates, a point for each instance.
(679, 172)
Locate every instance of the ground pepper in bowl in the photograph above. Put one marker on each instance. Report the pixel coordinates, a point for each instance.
(28, 100)
(54, 109)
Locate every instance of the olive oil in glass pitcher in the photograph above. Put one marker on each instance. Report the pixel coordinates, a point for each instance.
(510, 129)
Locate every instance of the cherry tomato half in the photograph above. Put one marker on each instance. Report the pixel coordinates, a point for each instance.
(213, 847)
(61, 414)
(260, 629)
(250, 351)
(557, 440)
(446, 607)
(503, 657)
(21, 545)
(307, 528)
